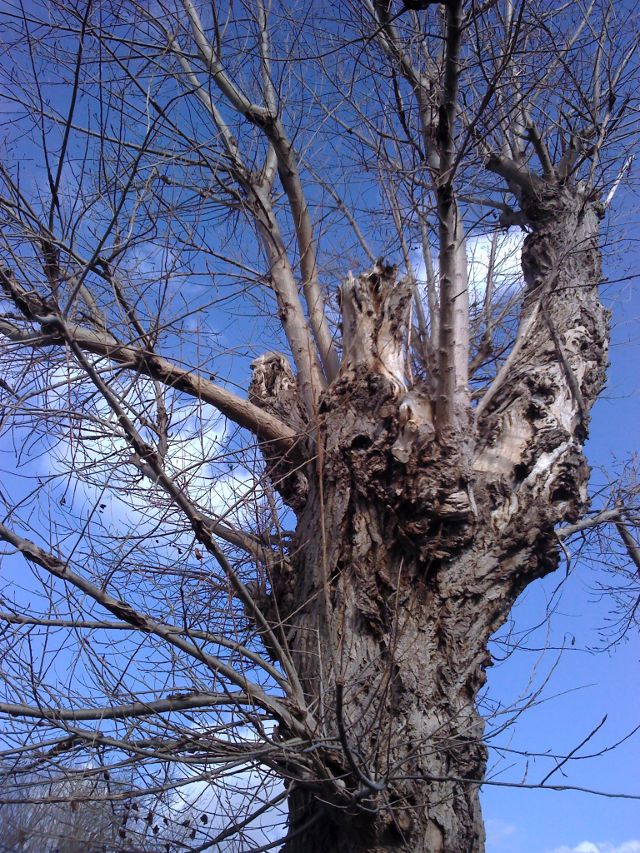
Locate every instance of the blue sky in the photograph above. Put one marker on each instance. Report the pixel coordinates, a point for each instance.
(583, 685)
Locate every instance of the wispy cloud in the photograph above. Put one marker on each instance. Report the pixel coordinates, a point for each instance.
(599, 847)
(502, 262)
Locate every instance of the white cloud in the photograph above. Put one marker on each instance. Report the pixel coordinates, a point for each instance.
(507, 270)
(231, 798)
(504, 262)
(497, 831)
(96, 453)
(600, 847)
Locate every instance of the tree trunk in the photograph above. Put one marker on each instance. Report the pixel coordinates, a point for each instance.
(393, 689)
(410, 549)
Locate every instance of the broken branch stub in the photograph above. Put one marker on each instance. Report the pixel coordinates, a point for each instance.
(376, 310)
(378, 423)
(274, 389)
(376, 319)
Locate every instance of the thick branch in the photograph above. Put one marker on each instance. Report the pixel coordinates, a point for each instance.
(125, 712)
(292, 317)
(533, 420)
(266, 119)
(290, 178)
(516, 174)
(245, 414)
(453, 345)
(221, 79)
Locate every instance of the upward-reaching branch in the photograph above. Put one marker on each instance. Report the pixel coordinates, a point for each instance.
(453, 344)
(267, 119)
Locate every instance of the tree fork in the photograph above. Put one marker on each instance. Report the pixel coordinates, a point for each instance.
(420, 556)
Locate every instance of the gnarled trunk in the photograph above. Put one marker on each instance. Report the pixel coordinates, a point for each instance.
(393, 690)
(412, 544)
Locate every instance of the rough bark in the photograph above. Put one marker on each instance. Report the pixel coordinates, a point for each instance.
(409, 553)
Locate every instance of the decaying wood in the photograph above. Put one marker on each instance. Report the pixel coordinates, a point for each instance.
(274, 389)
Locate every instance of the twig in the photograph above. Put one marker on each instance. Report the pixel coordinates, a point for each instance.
(342, 734)
(575, 749)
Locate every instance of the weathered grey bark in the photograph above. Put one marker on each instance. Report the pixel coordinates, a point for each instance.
(412, 547)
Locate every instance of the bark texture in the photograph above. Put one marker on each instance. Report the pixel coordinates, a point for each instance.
(412, 545)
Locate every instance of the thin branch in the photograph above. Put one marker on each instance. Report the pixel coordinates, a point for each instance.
(604, 517)
(574, 750)
(262, 424)
(633, 549)
(106, 625)
(136, 618)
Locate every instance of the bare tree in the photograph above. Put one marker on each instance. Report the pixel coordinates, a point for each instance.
(303, 578)
(77, 814)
